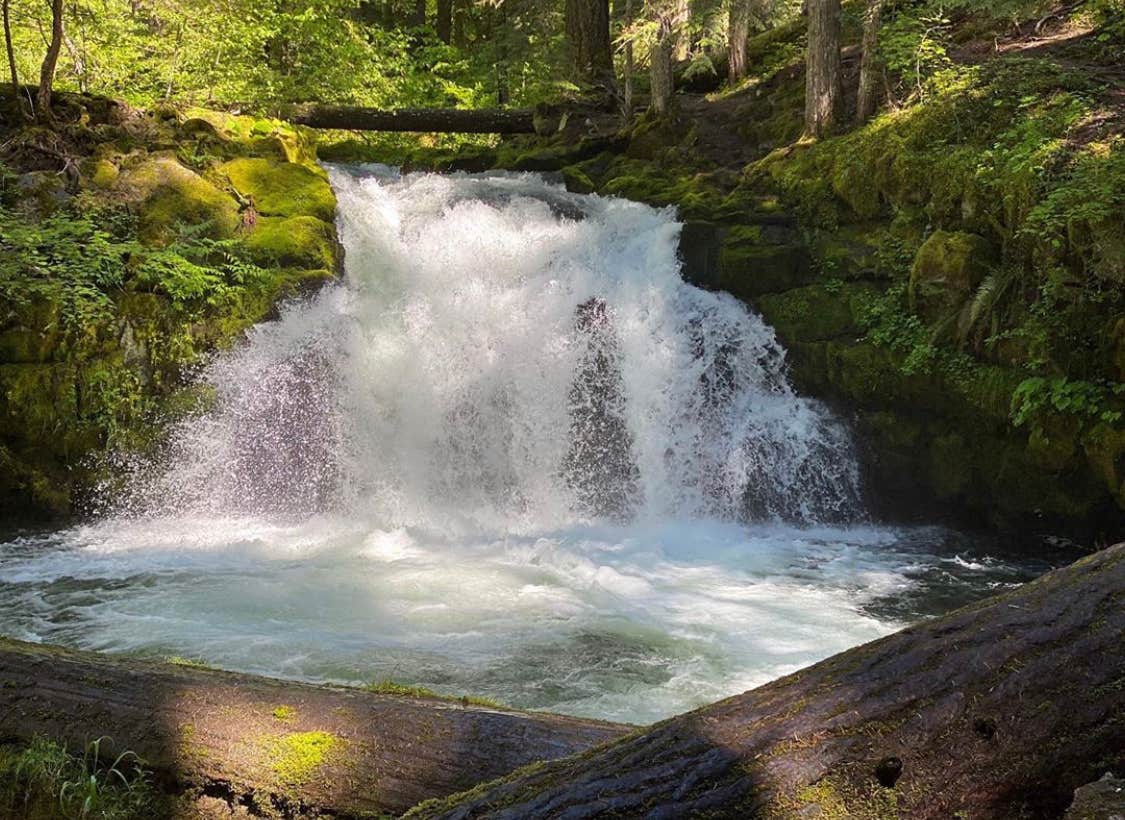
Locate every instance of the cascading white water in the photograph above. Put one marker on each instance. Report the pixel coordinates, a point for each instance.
(507, 456)
(505, 358)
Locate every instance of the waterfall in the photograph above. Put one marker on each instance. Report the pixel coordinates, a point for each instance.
(505, 356)
(512, 454)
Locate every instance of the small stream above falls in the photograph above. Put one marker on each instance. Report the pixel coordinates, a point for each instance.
(513, 455)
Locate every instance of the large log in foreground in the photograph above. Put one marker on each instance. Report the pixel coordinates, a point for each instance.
(438, 120)
(274, 745)
(999, 710)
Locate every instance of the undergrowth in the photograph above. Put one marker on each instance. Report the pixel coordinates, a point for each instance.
(45, 781)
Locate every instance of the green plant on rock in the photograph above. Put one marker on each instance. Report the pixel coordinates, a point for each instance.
(1090, 401)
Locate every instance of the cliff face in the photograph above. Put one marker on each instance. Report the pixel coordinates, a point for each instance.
(134, 244)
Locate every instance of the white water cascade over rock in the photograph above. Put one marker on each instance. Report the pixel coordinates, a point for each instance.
(512, 454)
(508, 357)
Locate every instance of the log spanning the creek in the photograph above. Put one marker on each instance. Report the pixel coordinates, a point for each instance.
(258, 742)
(437, 120)
(999, 710)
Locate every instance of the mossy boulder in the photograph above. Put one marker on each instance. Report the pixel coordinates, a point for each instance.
(751, 264)
(281, 188)
(294, 242)
(240, 135)
(947, 269)
(168, 194)
(577, 180)
(816, 312)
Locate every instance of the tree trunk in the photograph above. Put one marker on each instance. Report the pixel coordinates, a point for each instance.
(460, 29)
(629, 68)
(822, 68)
(50, 61)
(221, 732)
(998, 710)
(442, 120)
(738, 32)
(660, 67)
(418, 16)
(11, 56)
(587, 34)
(443, 22)
(868, 65)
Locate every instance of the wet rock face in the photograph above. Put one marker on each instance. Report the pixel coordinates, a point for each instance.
(1102, 800)
(599, 465)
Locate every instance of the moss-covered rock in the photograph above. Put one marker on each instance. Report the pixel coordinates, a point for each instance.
(751, 265)
(168, 194)
(948, 267)
(295, 242)
(281, 188)
(816, 312)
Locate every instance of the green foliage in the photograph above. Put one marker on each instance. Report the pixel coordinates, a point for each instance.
(1090, 401)
(45, 781)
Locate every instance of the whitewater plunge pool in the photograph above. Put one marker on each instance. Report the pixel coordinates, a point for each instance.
(507, 458)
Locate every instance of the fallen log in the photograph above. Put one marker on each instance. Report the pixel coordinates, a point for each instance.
(443, 120)
(999, 710)
(257, 742)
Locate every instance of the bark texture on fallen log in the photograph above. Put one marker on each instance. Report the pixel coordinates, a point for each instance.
(271, 744)
(437, 120)
(999, 710)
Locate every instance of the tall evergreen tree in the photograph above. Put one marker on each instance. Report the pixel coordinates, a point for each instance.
(822, 68)
(868, 66)
(587, 33)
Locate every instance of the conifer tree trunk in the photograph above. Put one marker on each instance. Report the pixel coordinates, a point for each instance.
(444, 21)
(50, 61)
(865, 99)
(627, 91)
(822, 68)
(11, 54)
(587, 34)
(660, 67)
(738, 32)
(418, 18)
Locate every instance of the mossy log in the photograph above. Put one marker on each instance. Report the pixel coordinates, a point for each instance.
(436, 120)
(998, 710)
(270, 746)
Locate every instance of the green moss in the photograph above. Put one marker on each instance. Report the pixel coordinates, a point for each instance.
(284, 713)
(750, 265)
(296, 757)
(816, 312)
(281, 188)
(836, 799)
(390, 687)
(577, 180)
(170, 194)
(295, 242)
(191, 663)
(245, 135)
(948, 268)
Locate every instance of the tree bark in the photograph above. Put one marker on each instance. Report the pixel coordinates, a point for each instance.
(868, 65)
(629, 67)
(822, 68)
(11, 55)
(998, 710)
(444, 120)
(220, 732)
(50, 61)
(738, 32)
(443, 21)
(660, 67)
(587, 34)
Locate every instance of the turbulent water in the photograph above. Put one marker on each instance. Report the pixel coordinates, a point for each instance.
(508, 457)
